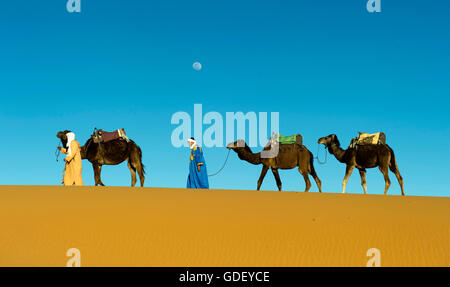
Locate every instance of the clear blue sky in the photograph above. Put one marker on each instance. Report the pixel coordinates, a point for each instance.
(325, 66)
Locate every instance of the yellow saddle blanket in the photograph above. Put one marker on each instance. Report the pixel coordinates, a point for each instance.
(365, 138)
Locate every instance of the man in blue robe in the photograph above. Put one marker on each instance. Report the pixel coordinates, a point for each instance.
(198, 176)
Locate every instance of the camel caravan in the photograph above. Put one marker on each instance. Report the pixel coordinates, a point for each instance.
(112, 148)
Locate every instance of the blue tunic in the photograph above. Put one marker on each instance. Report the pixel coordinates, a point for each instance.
(197, 179)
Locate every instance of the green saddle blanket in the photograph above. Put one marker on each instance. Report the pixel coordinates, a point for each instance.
(290, 139)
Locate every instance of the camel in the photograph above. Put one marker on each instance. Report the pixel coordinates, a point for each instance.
(111, 153)
(288, 157)
(362, 157)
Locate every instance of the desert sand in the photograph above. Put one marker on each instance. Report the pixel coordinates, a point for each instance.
(122, 226)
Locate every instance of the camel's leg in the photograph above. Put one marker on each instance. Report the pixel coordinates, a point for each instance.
(140, 170)
(316, 178)
(100, 175)
(306, 178)
(261, 177)
(348, 172)
(399, 177)
(133, 174)
(277, 178)
(385, 171)
(135, 161)
(362, 173)
(97, 174)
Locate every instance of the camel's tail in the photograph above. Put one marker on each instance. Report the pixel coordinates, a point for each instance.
(311, 164)
(135, 158)
(393, 166)
(140, 159)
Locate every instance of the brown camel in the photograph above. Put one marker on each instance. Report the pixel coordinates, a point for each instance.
(111, 153)
(289, 156)
(362, 157)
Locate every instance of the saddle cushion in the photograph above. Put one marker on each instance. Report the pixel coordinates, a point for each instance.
(104, 137)
(109, 136)
(365, 139)
(294, 139)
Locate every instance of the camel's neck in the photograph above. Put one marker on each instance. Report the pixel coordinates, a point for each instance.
(336, 150)
(83, 149)
(83, 152)
(247, 155)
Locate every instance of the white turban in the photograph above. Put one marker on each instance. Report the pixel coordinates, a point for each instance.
(192, 141)
(70, 137)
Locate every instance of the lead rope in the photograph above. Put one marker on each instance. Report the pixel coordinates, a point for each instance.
(226, 159)
(57, 152)
(317, 157)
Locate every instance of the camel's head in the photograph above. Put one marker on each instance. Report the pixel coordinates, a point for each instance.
(63, 137)
(328, 140)
(236, 145)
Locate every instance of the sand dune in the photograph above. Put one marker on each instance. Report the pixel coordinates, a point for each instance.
(120, 226)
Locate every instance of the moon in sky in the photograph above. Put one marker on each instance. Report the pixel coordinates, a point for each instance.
(197, 66)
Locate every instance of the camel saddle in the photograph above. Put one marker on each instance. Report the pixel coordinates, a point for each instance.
(100, 136)
(366, 139)
(278, 139)
(294, 139)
